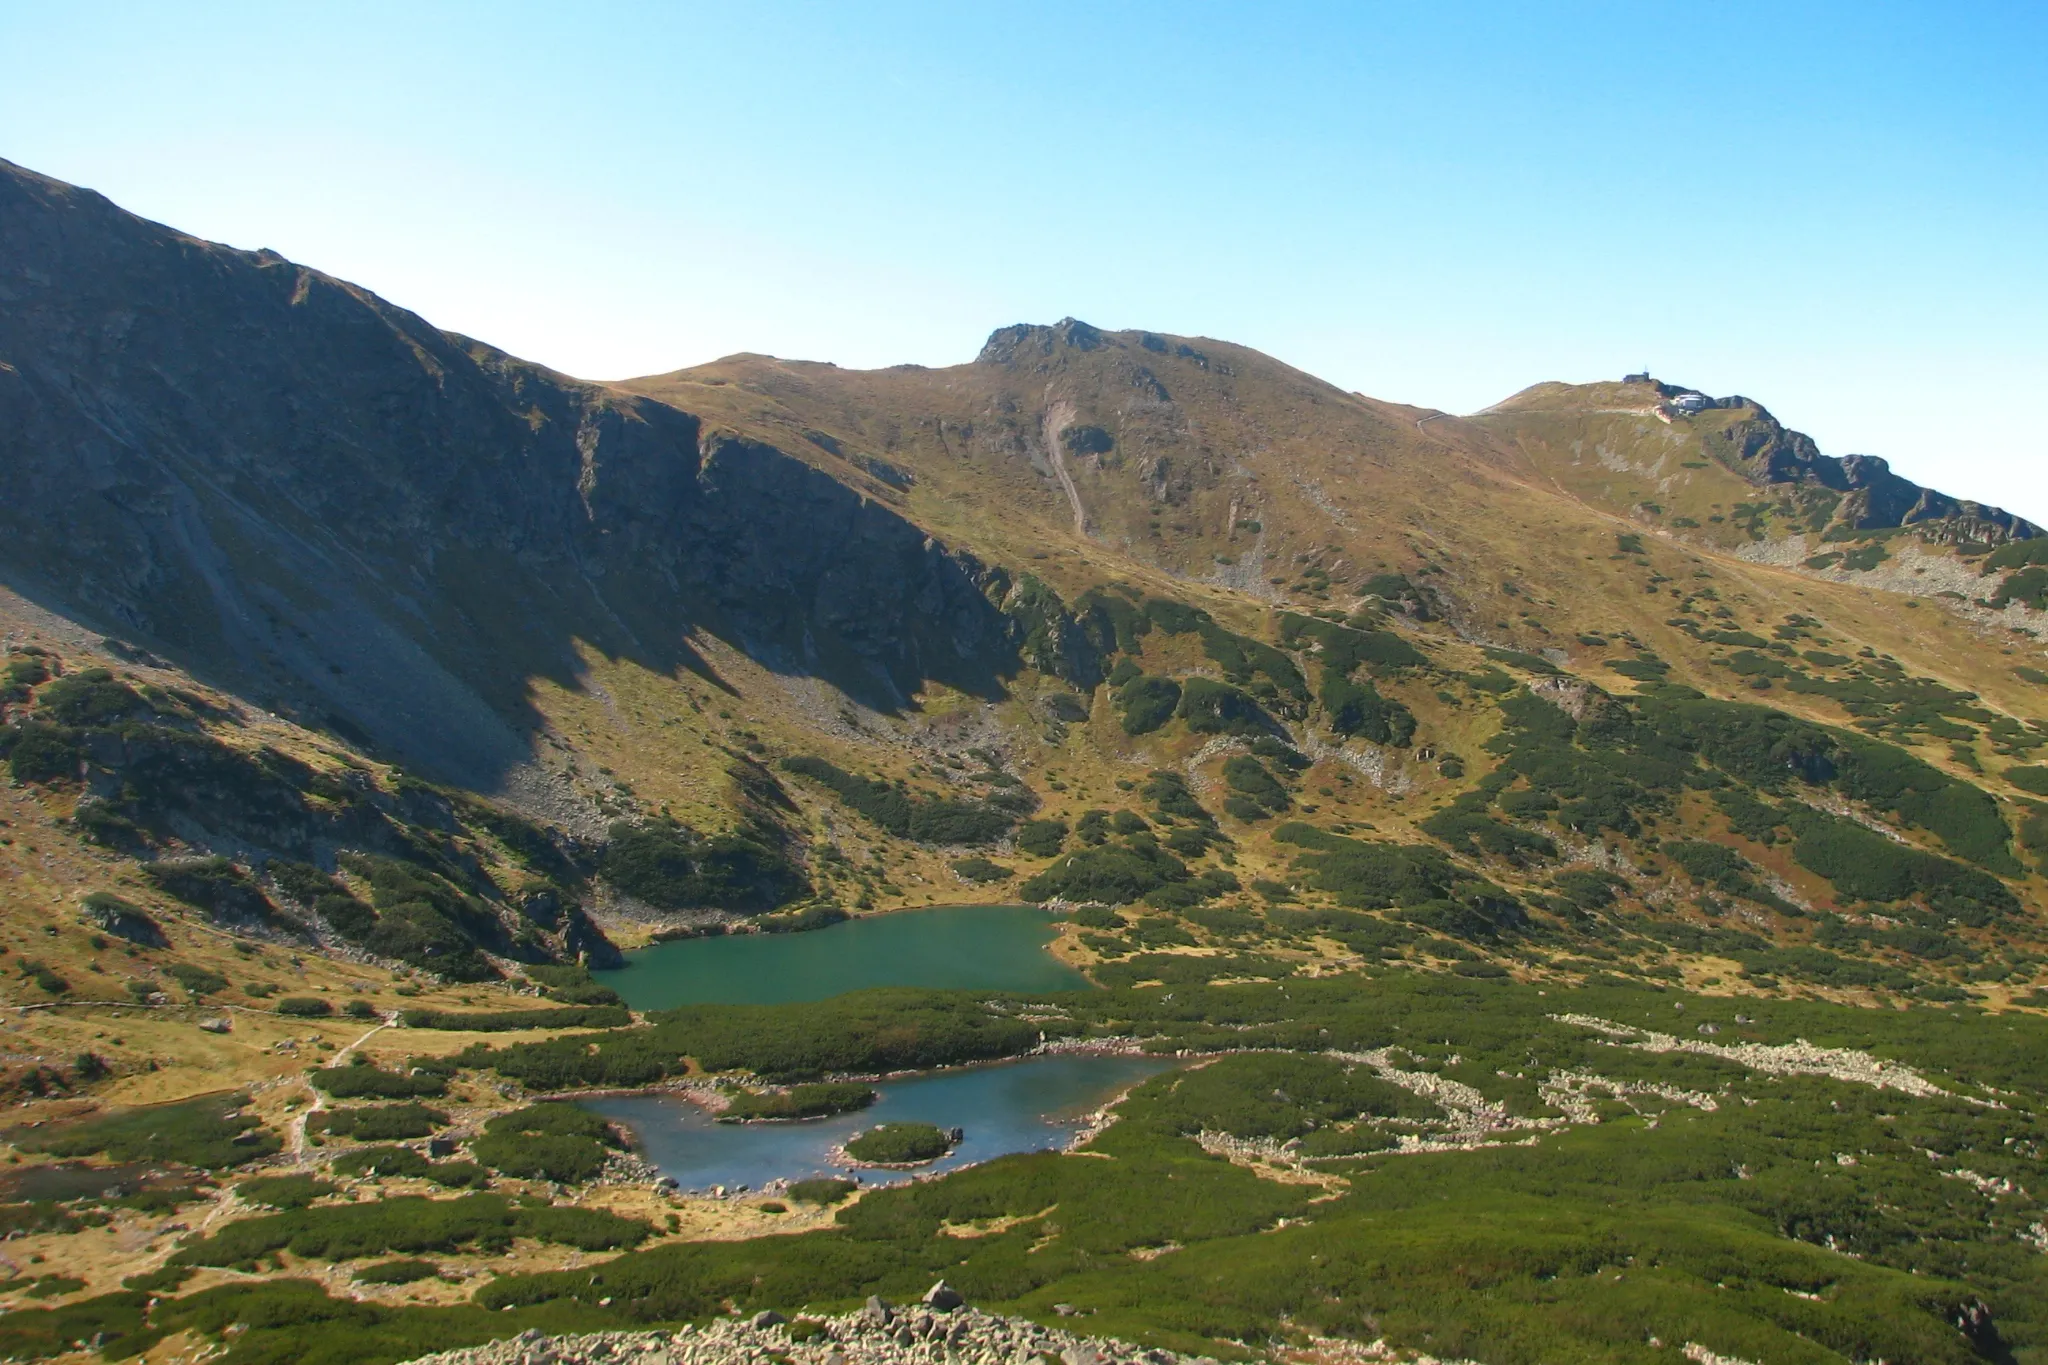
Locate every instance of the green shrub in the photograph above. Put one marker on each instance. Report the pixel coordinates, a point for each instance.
(1515, 658)
(304, 1007)
(1465, 825)
(394, 1162)
(225, 892)
(1169, 794)
(1341, 649)
(1247, 777)
(1224, 923)
(210, 1133)
(1271, 1095)
(981, 870)
(572, 984)
(803, 919)
(1747, 816)
(1066, 707)
(378, 1122)
(39, 753)
(366, 1081)
(162, 1280)
(485, 1223)
(1359, 709)
(673, 867)
(197, 981)
(863, 1031)
(54, 1286)
(512, 1021)
(404, 1163)
(22, 674)
(1726, 870)
(1214, 708)
(1767, 748)
(798, 1102)
(2017, 554)
(1435, 892)
(90, 697)
(1145, 704)
(1112, 874)
(1869, 866)
(1587, 889)
(118, 1322)
(930, 820)
(303, 882)
(283, 1191)
(1158, 931)
(109, 913)
(419, 918)
(1042, 838)
(397, 1272)
(550, 1141)
(822, 1190)
(900, 1144)
(2033, 779)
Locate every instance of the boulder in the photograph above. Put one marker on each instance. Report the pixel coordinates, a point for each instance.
(943, 1297)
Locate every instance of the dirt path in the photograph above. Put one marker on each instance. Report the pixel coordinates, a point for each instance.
(1058, 418)
(296, 1138)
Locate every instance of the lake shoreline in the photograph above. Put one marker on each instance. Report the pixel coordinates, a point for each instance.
(682, 1087)
(1045, 1102)
(969, 946)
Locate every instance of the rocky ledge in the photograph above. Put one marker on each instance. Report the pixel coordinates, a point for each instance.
(941, 1329)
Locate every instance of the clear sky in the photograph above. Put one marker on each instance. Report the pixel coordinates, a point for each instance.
(1840, 210)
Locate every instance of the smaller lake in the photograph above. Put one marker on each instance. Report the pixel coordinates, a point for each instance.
(974, 947)
(1024, 1106)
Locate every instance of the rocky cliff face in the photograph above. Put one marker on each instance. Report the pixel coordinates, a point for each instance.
(1768, 453)
(285, 483)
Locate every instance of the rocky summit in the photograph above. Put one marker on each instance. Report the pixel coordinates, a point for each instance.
(1561, 882)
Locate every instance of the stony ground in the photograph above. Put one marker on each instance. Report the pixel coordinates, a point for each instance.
(878, 1334)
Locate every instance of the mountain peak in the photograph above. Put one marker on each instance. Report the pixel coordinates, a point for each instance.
(1006, 345)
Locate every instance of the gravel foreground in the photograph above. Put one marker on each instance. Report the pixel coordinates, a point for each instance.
(939, 1330)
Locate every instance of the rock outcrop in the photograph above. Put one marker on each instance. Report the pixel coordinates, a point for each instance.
(885, 1337)
(1768, 454)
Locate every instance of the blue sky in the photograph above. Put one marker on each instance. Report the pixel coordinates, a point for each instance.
(1840, 210)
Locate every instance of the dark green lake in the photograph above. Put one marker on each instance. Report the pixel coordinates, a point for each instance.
(977, 947)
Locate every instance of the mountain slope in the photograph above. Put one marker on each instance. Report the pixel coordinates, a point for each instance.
(284, 482)
(644, 601)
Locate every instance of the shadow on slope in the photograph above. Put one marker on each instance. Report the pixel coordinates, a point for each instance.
(289, 485)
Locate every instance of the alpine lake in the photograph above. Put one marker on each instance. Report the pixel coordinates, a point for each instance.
(1032, 1104)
